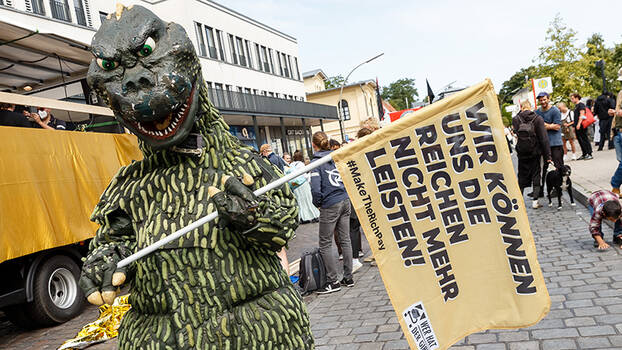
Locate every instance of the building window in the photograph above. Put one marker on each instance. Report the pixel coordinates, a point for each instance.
(258, 55)
(79, 8)
(247, 91)
(345, 110)
(289, 65)
(240, 50)
(284, 62)
(211, 44)
(271, 61)
(37, 7)
(271, 94)
(219, 41)
(232, 51)
(218, 86)
(278, 55)
(296, 68)
(264, 59)
(200, 40)
(247, 47)
(60, 10)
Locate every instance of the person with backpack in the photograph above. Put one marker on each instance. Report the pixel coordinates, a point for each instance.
(580, 114)
(532, 144)
(330, 196)
(553, 124)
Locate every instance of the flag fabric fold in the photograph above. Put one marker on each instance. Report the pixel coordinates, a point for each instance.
(430, 92)
(439, 202)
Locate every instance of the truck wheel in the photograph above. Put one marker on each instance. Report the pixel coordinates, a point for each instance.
(57, 296)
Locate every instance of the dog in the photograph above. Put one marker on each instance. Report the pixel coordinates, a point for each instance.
(557, 181)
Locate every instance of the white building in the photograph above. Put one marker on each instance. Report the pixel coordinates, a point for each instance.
(252, 69)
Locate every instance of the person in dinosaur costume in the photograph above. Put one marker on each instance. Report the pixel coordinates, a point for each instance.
(221, 286)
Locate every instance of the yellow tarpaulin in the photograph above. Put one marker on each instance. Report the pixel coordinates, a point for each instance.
(50, 182)
(438, 200)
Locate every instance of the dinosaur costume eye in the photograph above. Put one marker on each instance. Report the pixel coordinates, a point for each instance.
(147, 48)
(107, 64)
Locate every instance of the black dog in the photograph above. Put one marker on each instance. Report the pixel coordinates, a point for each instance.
(556, 181)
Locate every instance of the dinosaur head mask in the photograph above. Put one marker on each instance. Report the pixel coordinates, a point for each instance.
(147, 71)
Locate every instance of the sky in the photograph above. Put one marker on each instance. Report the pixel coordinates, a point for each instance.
(444, 41)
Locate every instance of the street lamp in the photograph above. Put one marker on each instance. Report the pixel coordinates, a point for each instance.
(343, 138)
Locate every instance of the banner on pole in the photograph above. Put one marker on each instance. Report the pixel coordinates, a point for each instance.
(439, 202)
(543, 85)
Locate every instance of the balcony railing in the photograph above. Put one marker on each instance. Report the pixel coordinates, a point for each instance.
(230, 102)
(60, 10)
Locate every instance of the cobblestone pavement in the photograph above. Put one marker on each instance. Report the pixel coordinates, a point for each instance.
(585, 289)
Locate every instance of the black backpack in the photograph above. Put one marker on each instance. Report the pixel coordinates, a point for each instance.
(527, 141)
(312, 272)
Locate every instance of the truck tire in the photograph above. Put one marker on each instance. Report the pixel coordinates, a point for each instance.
(57, 296)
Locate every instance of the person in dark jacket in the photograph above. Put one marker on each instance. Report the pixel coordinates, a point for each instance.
(330, 196)
(579, 116)
(266, 151)
(529, 163)
(603, 108)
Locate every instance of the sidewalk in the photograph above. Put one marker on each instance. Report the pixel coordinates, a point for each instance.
(593, 175)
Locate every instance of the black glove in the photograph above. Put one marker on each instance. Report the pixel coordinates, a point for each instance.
(236, 205)
(100, 276)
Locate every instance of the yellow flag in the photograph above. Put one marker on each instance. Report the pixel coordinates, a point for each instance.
(439, 202)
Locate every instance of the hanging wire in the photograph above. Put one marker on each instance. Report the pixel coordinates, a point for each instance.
(62, 74)
(7, 67)
(18, 39)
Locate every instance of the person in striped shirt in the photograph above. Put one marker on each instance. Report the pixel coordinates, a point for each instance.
(605, 205)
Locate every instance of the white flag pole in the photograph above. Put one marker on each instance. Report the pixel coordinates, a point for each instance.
(211, 216)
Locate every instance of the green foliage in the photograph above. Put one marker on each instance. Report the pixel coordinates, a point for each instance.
(572, 67)
(564, 62)
(334, 82)
(515, 83)
(400, 90)
(506, 116)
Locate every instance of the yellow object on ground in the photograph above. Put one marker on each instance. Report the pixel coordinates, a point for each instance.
(104, 328)
(439, 202)
(51, 181)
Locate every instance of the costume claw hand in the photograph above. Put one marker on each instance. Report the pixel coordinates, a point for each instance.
(100, 276)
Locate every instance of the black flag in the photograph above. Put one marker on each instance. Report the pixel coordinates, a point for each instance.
(430, 92)
(379, 101)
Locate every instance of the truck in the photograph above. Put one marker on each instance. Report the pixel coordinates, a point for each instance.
(49, 184)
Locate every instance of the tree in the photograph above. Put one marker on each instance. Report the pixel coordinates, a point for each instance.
(516, 82)
(564, 62)
(399, 91)
(334, 82)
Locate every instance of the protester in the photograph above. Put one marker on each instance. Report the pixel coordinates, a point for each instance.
(568, 130)
(8, 116)
(603, 108)
(334, 144)
(302, 190)
(579, 116)
(552, 123)
(605, 205)
(532, 144)
(616, 180)
(329, 194)
(287, 158)
(44, 119)
(266, 151)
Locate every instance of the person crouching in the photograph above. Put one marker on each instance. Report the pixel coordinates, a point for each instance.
(605, 205)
